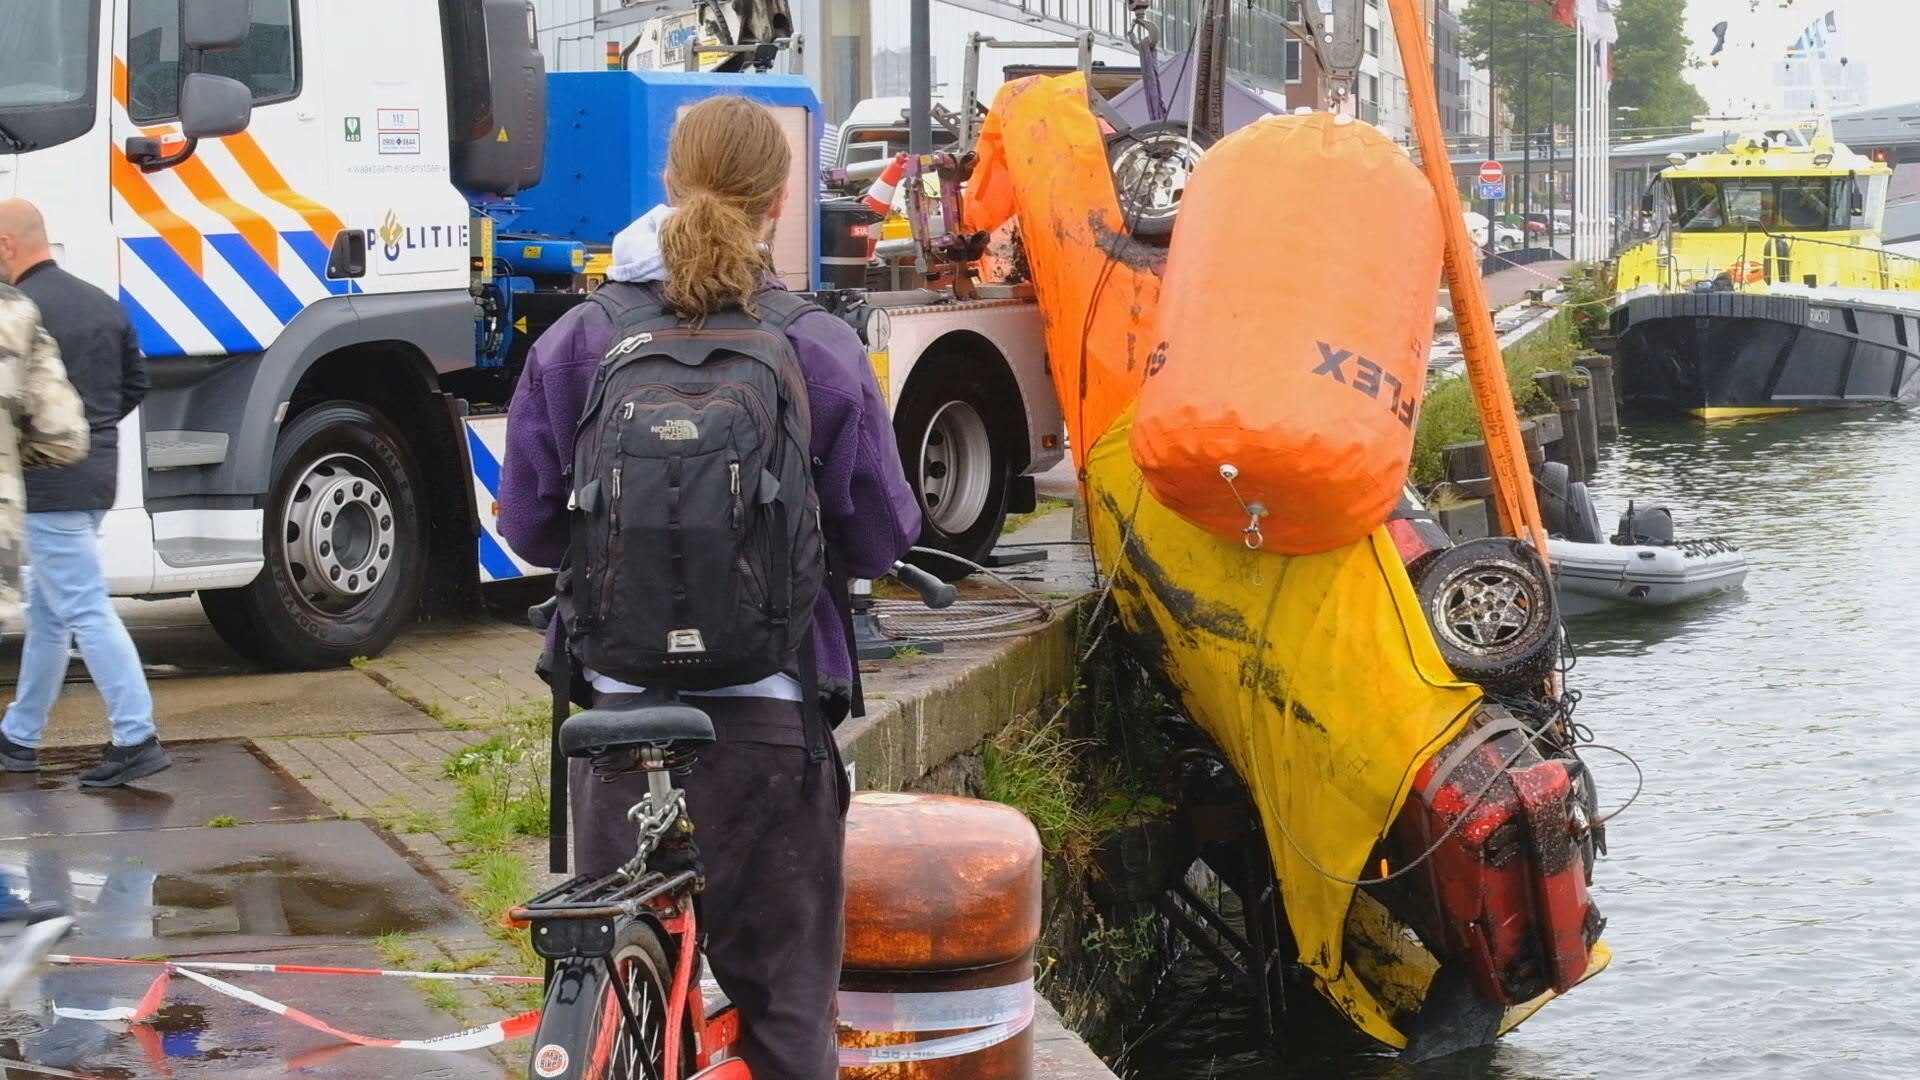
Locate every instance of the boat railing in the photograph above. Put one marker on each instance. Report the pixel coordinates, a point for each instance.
(1883, 270)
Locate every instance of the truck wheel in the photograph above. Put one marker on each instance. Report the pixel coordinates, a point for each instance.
(345, 545)
(958, 466)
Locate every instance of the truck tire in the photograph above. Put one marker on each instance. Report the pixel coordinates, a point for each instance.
(345, 545)
(959, 465)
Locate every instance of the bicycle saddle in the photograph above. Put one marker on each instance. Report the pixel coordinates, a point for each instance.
(596, 731)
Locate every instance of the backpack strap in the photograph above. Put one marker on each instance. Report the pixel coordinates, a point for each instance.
(557, 792)
(779, 309)
(632, 306)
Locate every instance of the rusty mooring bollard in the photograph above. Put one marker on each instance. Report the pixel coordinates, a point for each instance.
(943, 912)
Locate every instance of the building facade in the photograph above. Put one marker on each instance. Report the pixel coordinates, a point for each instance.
(858, 49)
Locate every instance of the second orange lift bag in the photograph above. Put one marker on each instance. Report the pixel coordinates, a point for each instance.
(1295, 322)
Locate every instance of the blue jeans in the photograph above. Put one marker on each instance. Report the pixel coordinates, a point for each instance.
(67, 599)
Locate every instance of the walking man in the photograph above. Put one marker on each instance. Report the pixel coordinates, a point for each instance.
(66, 588)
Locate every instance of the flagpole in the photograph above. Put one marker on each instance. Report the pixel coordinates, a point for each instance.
(1579, 146)
(1604, 69)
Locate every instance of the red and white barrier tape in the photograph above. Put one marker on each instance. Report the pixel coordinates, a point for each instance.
(999, 1012)
(298, 969)
(471, 1039)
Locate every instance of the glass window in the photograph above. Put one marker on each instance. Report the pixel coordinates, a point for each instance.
(1293, 61)
(46, 52)
(1789, 204)
(266, 62)
(1373, 41)
(48, 72)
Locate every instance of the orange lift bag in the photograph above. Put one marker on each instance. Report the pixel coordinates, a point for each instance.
(1296, 317)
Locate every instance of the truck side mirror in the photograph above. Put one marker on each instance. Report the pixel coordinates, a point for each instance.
(1646, 202)
(214, 105)
(209, 25)
(1857, 204)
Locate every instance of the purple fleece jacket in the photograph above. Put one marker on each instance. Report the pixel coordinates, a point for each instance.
(869, 513)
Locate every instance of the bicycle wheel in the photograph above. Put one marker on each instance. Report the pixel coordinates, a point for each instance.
(582, 1035)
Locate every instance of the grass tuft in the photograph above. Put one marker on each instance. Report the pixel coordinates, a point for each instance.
(1449, 415)
(1032, 766)
(501, 799)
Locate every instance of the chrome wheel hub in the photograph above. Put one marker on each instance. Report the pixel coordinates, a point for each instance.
(956, 468)
(1485, 609)
(1152, 173)
(339, 530)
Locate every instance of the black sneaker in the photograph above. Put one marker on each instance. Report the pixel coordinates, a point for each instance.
(17, 758)
(125, 764)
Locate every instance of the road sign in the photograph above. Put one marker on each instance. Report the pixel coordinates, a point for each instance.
(1493, 191)
(1491, 172)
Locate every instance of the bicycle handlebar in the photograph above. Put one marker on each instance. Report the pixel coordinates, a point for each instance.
(934, 593)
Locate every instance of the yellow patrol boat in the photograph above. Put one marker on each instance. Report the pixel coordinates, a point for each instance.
(1767, 287)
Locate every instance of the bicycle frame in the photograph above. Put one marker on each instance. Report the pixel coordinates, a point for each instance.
(580, 920)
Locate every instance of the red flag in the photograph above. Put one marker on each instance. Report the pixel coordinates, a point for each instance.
(1563, 11)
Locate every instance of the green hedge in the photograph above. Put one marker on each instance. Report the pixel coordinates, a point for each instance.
(1448, 415)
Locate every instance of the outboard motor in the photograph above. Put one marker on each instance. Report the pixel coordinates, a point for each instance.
(1652, 525)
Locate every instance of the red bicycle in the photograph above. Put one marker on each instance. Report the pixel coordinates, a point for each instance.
(624, 996)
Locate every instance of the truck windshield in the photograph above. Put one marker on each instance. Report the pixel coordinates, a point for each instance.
(1782, 204)
(49, 51)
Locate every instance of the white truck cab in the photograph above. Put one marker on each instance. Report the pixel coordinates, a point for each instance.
(300, 205)
(270, 190)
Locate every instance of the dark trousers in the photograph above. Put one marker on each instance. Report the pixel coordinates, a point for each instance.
(770, 825)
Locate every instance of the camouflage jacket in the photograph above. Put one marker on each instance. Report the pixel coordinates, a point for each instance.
(41, 425)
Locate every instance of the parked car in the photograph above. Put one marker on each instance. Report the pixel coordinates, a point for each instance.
(1504, 235)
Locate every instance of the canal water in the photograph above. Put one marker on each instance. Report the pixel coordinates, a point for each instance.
(1761, 892)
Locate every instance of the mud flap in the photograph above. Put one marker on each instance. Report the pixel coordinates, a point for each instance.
(1455, 1017)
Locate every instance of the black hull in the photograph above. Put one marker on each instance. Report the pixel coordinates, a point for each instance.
(1733, 354)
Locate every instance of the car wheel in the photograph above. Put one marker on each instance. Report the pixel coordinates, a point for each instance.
(345, 545)
(1492, 610)
(1151, 165)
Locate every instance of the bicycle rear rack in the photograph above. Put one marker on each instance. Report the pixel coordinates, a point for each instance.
(579, 917)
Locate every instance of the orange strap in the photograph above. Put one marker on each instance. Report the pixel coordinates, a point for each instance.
(1506, 454)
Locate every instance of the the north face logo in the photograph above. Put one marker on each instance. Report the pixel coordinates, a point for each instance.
(676, 431)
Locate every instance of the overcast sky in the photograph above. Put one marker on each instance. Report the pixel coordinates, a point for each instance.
(1882, 34)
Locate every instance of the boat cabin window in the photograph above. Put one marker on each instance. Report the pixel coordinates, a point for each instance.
(1773, 204)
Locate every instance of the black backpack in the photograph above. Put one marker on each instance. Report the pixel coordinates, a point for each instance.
(697, 551)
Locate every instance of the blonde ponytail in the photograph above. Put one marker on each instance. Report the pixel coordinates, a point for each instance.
(727, 166)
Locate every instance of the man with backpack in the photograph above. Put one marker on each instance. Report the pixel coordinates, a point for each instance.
(710, 458)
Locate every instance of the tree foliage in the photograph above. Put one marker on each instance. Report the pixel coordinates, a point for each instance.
(1533, 57)
(1650, 62)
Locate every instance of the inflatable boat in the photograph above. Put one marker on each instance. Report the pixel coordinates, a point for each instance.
(1646, 575)
(1641, 564)
(1241, 425)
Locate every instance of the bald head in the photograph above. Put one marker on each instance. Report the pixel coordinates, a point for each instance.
(23, 238)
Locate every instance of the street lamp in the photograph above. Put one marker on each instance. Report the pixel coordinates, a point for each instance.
(1553, 164)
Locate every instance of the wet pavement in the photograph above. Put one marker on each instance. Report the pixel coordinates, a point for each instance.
(223, 857)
